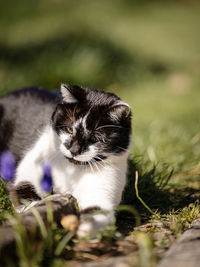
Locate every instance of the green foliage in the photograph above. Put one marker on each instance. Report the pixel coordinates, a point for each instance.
(151, 184)
(109, 233)
(5, 203)
(179, 220)
(43, 246)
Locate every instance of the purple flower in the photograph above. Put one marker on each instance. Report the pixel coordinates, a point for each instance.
(7, 166)
(47, 178)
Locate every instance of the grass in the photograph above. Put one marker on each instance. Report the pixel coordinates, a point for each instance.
(42, 246)
(5, 203)
(147, 52)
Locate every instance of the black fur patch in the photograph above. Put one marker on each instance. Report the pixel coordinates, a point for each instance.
(90, 210)
(24, 190)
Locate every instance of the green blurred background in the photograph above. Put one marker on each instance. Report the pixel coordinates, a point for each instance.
(147, 52)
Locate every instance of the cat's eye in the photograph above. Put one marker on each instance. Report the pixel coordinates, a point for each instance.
(68, 130)
(93, 139)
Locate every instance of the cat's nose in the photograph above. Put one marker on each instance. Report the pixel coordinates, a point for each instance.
(75, 149)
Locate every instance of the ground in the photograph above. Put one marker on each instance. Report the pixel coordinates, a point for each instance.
(147, 52)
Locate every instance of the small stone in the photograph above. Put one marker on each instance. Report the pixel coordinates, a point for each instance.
(70, 222)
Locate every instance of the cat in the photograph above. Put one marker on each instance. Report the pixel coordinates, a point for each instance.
(84, 133)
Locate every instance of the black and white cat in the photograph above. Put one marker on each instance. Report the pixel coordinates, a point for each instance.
(85, 134)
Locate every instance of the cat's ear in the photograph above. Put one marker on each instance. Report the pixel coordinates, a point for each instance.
(67, 93)
(120, 111)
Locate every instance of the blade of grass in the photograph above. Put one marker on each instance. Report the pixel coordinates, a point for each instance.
(40, 222)
(131, 210)
(63, 243)
(137, 194)
(49, 211)
(21, 239)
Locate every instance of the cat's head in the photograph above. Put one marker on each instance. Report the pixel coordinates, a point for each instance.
(92, 125)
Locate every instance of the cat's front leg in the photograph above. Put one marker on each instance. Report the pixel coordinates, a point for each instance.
(26, 189)
(97, 196)
(29, 172)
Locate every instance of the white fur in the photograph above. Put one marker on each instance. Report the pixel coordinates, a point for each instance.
(100, 185)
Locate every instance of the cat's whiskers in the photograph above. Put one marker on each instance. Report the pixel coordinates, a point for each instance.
(83, 165)
(100, 160)
(101, 165)
(113, 166)
(126, 150)
(90, 166)
(95, 164)
(108, 126)
(108, 163)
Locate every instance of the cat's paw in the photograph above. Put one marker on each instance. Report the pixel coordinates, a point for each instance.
(91, 224)
(23, 195)
(86, 227)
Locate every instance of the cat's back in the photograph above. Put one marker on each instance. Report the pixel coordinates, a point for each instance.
(23, 115)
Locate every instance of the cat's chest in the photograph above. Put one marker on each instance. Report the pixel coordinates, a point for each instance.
(63, 174)
(66, 176)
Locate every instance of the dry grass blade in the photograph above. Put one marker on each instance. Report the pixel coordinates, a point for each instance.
(137, 194)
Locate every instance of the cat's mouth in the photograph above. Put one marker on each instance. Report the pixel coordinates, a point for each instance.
(92, 161)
